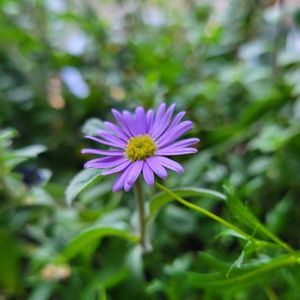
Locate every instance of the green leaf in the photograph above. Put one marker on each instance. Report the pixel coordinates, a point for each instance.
(278, 217)
(18, 156)
(273, 137)
(10, 262)
(247, 275)
(7, 134)
(95, 233)
(159, 200)
(239, 210)
(80, 182)
(91, 126)
(244, 216)
(42, 291)
(30, 151)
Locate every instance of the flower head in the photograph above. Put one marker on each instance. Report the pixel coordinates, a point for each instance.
(140, 143)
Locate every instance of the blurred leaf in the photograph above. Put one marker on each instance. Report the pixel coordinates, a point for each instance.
(42, 292)
(272, 138)
(179, 266)
(96, 233)
(10, 263)
(240, 211)
(80, 182)
(159, 200)
(278, 217)
(179, 220)
(135, 262)
(247, 275)
(18, 156)
(91, 126)
(247, 218)
(30, 151)
(7, 134)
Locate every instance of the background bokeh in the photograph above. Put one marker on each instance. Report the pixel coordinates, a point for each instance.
(234, 66)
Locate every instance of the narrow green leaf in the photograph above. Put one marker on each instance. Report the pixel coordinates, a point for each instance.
(278, 217)
(237, 263)
(244, 215)
(94, 233)
(247, 275)
(159, 200)
(79, 182)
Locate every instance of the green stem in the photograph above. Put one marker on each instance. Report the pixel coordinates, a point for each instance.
(224, 222)
(274, 238)
(278, 263)
(141, 212)
(270, 293)
(204, 211)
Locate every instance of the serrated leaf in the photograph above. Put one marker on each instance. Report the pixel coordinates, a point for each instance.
(80, 182)
(94, 233)
(159, 200)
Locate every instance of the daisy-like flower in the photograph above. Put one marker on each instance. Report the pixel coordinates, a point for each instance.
(140, 144)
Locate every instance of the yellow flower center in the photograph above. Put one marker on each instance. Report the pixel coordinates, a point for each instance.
(140, 147)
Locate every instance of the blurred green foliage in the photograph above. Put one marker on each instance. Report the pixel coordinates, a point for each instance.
(234, 66)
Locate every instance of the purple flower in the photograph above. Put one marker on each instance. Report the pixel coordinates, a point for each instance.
(140, 143)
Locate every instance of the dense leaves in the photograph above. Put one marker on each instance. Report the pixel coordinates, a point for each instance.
(225, 229)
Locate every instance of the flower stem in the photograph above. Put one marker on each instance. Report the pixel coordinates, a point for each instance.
(219, 220)
(141, 211)
(203, 211)
(278, 263)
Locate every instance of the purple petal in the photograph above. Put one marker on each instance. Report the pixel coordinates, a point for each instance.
(118, 168)
(185, 143)
(148, 174)
(158, 118)
(154, 163)
(173, 124)
(164, 122)
(118, 116)
(134, 172)
(177, 118)
(103, 152)
(140, 120)
(170, 164)
(127, 186)
(104, 142)
(149, 119)
(119, 183)
(130, 122)
(117, 130)
(174, 134)
(107, 162)
(110, 138)
(173, 151)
